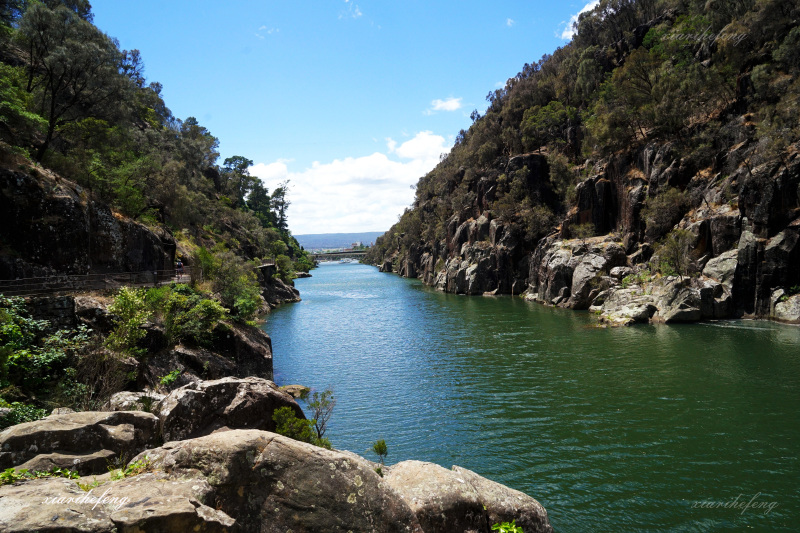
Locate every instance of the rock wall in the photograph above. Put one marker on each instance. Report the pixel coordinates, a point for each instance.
(38, 210)
(745, 225)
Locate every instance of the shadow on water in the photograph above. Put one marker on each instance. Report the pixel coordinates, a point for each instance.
(634, 429)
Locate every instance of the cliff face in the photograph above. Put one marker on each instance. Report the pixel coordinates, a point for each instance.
(744, 241)
(640, 164)
(49, 225)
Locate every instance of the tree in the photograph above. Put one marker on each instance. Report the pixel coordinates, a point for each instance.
(675, 251)
(237, 181)
(321, 405)
(380, 449)
(73, 70)
(279, 205)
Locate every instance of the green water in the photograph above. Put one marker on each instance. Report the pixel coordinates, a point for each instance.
(648, 428)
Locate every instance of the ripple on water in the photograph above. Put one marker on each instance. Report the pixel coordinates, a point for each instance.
(611, 429)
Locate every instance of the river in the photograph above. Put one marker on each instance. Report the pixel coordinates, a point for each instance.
(646, 428)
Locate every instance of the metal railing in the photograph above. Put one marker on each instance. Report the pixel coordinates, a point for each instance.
(96, 282)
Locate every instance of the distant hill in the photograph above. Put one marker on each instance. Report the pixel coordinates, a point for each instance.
(315, 241)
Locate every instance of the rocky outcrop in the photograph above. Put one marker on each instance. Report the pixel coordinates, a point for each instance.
(573, 273)
(37, 210)
(147, 502)
(247, 480)
(460, 500)
(133, 401)
(201, 408)
(84, 442)
(235, 350)
(276, 292)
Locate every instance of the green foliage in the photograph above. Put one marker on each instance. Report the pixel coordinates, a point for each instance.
(582, 231)
(380, 449)
(664, 210)
(507, 527)
(12, 475)
(547, 124)
(675, 252)
(303, 264)
(168, 380)
(638, 278)
(321, 405)
(285, 268)
(133, 469)
(188, 316)
(20, 413)
(288, 425)
(236, 283)
(30, 358)
(131, 311)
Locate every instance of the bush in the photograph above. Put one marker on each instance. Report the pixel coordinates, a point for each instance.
(131, 310)
(288, 425)
(190, 317)
(675, 253)
(236, 283)
(20, 413)
(662, 212)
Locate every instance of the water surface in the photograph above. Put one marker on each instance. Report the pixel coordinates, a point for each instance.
(650, 428)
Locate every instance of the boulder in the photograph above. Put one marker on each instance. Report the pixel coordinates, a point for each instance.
(267, 482)
(460, 500)
(204, 407)
(133, 401)
(78, 441)
(147, 502)
(787, 309)
(677, 302)
(723, 268)
(276, 292)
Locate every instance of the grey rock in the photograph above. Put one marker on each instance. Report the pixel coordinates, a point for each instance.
(233, 403)
(788, 310)
(79, 434)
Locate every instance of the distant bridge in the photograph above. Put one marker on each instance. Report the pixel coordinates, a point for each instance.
(335, 256)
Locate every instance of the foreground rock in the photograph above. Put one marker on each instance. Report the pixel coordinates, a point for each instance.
(235, 403)
(148, 502)
(460, 500)
(85, 442)
(247, 480)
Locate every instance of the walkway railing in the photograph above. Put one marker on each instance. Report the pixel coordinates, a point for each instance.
(96, 282)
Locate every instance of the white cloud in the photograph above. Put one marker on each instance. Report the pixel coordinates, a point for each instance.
(510, 22)
(355, 193)
(450, 104)
(569, 32)
(352, 10)
(267, 30)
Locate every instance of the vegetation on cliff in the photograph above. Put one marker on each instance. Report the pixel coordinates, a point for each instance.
(73, 102)
(655, 110)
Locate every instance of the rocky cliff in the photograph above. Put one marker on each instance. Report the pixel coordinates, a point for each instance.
(49, 225)
(638, 166)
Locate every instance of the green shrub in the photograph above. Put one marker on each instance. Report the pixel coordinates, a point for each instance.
(169, 379)
(236, 283)
(507, 527)
(131, 310)
(288, 425)
(190, 317)
(20, 413)
(380, 449)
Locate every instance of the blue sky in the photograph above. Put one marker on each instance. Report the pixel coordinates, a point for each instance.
(351, 100)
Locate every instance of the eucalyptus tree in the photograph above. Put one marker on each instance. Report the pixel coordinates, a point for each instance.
(74, 69)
